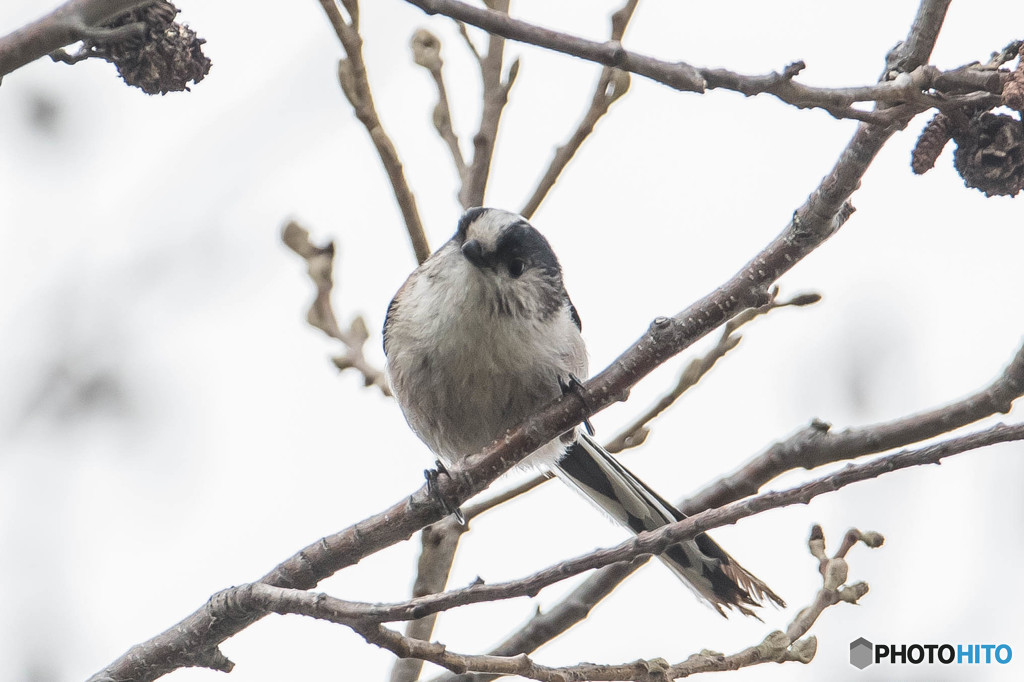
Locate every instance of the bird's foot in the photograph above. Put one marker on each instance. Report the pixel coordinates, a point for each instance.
(435, 492)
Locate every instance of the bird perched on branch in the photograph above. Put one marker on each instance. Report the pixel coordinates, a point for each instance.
(480, 337)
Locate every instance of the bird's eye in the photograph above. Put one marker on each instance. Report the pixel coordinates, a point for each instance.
(516, 267)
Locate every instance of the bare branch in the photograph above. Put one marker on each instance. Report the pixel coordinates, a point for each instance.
(320, 265)
(911, 89)
(636, 433)
(356, 86)
(73, 21)
(777, 646)
(611, 85)
(469, 41)
(816, 445)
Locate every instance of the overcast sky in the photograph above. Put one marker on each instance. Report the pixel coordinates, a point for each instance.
(170, 426)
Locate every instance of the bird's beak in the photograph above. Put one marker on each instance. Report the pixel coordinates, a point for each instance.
(474, 253)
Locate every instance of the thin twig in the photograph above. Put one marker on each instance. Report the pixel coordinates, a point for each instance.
(320, 265)
(611, 85)
(426, 51)
(637, 432)
(495, 96)
(356, 86)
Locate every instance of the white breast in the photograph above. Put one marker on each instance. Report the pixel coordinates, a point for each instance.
(465, 373)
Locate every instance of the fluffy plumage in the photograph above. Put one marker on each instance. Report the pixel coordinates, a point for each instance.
(481, 336)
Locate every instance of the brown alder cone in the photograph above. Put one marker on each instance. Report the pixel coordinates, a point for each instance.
(163, 59)
(990, 154)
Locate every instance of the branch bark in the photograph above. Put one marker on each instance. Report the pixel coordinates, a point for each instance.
(73, 21)
(911, 88)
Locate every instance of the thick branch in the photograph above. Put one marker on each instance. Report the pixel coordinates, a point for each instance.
(73, 21)
(356, 86)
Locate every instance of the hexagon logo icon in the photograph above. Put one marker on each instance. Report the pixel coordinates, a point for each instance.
(861, 653)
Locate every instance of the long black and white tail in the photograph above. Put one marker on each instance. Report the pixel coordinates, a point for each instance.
(704, 566)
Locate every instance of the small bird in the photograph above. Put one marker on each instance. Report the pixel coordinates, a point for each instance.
(480, 337)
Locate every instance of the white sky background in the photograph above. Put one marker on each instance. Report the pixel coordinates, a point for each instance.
(170, 426)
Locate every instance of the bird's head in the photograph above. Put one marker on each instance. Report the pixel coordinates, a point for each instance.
(512, 261)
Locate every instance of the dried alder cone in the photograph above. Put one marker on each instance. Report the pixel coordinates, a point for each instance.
(990, 147)
(990, 156)
(164, 58)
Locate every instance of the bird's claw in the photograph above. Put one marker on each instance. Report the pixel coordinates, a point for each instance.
(435, 492)
(574, 385)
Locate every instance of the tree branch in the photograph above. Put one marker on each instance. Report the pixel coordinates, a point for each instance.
(823, 213)
(777, 646)
(73, 21)
(636, 433)
(910, 89)
(495, 96)
(356, 86)
(816, 445)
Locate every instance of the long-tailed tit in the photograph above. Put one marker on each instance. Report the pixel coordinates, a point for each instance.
(481, 336)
